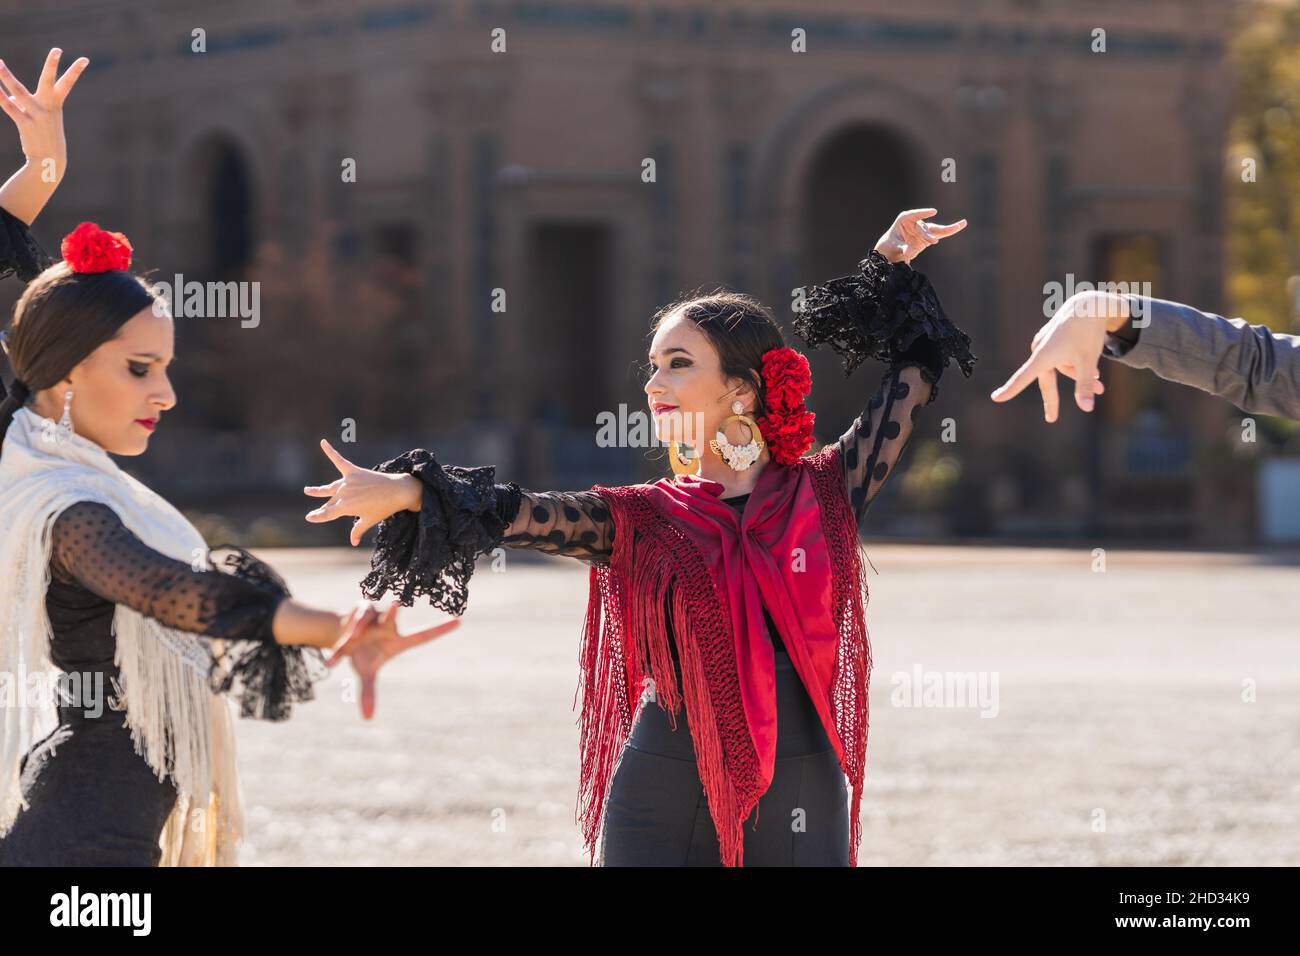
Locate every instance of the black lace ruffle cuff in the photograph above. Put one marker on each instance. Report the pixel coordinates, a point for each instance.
(464, 513)
(20, 253)
(265, 677)
(887, 311)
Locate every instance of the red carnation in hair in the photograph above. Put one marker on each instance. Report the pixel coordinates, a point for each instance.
(91, 249)
(788, 426)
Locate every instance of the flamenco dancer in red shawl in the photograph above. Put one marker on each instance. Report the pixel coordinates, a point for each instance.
(736, 586)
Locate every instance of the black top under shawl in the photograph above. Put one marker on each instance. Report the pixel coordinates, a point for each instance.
(888, 312)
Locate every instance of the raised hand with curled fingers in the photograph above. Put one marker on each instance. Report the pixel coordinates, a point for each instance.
(910, 235)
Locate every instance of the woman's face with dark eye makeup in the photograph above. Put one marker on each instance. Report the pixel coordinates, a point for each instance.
(121, 389)
(688, 396)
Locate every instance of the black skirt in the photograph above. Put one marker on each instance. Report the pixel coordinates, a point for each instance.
(658, 815)
(92, 800)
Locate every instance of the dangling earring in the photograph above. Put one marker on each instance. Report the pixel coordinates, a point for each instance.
(738, 457)
(682, 466)
(63, 434)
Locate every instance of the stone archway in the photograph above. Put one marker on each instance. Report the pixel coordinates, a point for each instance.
(220, 232)
(221, 153)
(859, 178)
(832, 174)
(228, 204)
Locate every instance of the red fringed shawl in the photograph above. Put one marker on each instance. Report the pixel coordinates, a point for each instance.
(795, 550)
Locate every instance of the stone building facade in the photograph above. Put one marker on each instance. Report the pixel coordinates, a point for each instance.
(521, 170)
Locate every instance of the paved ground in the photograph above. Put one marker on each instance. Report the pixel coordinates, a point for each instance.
(1147, 714)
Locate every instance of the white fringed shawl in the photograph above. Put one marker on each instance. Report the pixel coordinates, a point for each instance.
(180, 727)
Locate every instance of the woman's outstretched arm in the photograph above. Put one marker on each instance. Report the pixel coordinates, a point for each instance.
(38, 115)
(1255, 368)
(265, 647)
(575, 524)
(245, 606)
(435, 520)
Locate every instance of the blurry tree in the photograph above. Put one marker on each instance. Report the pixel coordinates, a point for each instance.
(1263, 243)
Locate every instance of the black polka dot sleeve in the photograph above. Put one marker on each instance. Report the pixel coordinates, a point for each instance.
(93, 548)
(20, 253)
(234, 602)
(889, 312)
(870, 450)
(575, 524)
(465, 513)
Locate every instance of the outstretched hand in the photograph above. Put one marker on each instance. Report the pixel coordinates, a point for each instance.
(369, 496)
(1070, 343)
(910, 235)
(39, 115)
(371, 639)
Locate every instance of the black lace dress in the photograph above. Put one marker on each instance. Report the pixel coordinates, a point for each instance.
(92, 800)
(884, 311)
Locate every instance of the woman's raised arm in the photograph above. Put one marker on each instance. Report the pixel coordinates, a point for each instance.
(39, 118)
(873, 444)
(889, 312)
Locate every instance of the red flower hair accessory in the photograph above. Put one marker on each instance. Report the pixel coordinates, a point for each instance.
(788, 425)
(91, 249)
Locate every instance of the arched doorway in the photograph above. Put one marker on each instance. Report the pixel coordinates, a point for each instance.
(857, 180)
(567, 330)
(228, 208)
(221, 249)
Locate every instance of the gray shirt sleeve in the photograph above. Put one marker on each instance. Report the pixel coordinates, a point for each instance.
(1255, 368)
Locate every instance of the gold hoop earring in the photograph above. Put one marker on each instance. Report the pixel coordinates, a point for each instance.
(680, 465)
(738, 457)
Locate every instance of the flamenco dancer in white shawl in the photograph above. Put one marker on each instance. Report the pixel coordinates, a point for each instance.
(109, 598)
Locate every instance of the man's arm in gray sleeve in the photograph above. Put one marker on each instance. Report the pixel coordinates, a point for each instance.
(1255, 368)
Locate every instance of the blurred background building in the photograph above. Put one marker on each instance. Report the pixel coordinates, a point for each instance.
(521, 170)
